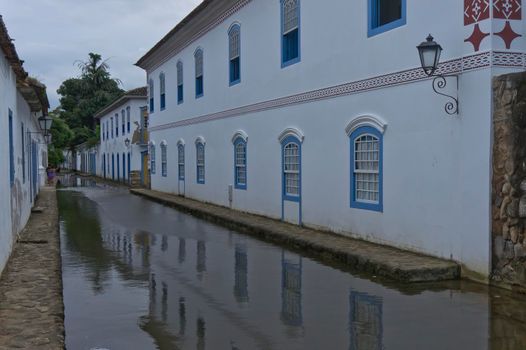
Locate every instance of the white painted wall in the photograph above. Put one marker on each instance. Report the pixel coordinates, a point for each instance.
(437, 168)
(116, 144)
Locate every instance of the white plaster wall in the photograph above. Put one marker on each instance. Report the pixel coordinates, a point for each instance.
(116, 145)
(7, 101)
(436, 168)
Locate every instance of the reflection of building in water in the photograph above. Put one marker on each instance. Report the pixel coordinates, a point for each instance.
(366, 322)
(291, 268)
(201, 332)
(182, 250)
(201, 256)
(241, 274)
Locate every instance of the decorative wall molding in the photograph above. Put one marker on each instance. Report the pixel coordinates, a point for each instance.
(294, 132)
(180, 142)
(451, 67)
(366, 120)
(200, 139)
(240, 134)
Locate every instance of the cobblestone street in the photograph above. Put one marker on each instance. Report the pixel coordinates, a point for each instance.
(31, 304)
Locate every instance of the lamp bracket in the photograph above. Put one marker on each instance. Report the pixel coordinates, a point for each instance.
(440, 83)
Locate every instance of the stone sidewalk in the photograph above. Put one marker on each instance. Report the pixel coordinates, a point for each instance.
(359, 255)
(31, 303)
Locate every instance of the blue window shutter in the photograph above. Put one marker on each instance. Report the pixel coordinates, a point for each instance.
(11, 150)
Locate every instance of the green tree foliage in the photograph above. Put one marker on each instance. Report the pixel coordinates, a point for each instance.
(83, 96)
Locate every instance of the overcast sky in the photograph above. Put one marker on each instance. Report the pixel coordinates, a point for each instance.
(50, 35)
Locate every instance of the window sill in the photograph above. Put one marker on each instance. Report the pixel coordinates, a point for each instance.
(367, 206)
(386, 27)
(240, 187)
(235, 82)
(291, 198)
(290, 62)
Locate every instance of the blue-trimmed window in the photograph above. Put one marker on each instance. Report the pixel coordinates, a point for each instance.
(180, 91)
(366, 168)
(118, 167)
(152, 159)
(151, 92)
(11, 150)
(129, 165)
(240, 163)
(200, 161)
(128, 111)
(123, 166)
(111, 127)
(162, 90)
(164, 160)
(290, 32)
(113, 166)
(199, 83)
(123, 116)
(116, 124)
(291, 159)
(180, 161)
(107, 129)
(385, 15)
(234, 49)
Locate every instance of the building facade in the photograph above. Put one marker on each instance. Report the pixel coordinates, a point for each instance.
(319, 113)
(122, 144)
(23, 150)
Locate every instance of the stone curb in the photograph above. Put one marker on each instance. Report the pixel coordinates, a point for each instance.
(363, 256)
(31, 300)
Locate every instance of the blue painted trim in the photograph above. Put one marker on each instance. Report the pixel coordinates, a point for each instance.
(372, 23)
(123, 166)
(357, 204)
(285, 64)
(180, 149)
(113, 166)
(164, 151)
(202, 182)
(129, 166)
(237, 81)
(118, 167)
(11, 150)
(202, 76)
(180, 96)
(238, 185)
(285, 196)
(23, 156)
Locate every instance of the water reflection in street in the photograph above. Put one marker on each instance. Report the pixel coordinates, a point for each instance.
(138, 275)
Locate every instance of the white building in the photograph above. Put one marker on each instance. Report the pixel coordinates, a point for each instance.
(23, 151)
(122, 145)
(319, 113)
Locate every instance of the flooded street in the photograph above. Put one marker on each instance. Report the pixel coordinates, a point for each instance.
(138, 275)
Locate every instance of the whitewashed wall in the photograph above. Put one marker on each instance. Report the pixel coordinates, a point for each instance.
(436, 176)
(7, 101)
(116, 145)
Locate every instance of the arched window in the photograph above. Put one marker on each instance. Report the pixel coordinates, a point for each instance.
(180, 160)
(116, 124)
(152, 158)
(290, 32)
(151, 92)
(180, 90)
(103, 134)
(112, 127)
(199, 83)
(200, 161)
(240, 163)
(162, 81)
(366, 163)
(234, 47)
(291, 150)
(128, 112)
(123, 117)
(164, 160)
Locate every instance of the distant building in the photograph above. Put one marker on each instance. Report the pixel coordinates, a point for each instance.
(123, 138)
(23, 150)
(319, 113)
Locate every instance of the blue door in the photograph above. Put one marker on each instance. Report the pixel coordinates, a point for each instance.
(113, 166)
(34, 162)
(123, 167)
(118, 167)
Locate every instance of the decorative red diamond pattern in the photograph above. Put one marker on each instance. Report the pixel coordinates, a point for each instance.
(475, 11)
(507, 9)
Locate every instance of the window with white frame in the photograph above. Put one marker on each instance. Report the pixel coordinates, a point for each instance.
(290, 32)
(199, 83)
(162, 90)
(180, 91)
(180, 161)
(152, 158)
(164, 160)
(291, 168)
(128, 118)
(240, 163)
(151, 92)
(366, 160)
(200, 161)
(234, 43)
(123, 116)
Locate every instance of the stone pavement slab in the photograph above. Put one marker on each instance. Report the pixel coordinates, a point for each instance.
(31, 303)
(363, 256)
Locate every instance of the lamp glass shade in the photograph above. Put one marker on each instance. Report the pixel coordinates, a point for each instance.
(47, 138)
(45, 122)
(429, 52)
